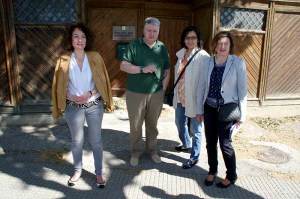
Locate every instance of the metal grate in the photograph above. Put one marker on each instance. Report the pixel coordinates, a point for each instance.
(241, 18)
(45, 11)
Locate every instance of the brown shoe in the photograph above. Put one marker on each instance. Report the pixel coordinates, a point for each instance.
(209, 180)
(156, 158)
(225, 183)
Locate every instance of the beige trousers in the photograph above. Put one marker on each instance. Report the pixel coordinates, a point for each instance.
(143, 107)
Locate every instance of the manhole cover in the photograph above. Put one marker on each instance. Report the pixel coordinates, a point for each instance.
(272, 155)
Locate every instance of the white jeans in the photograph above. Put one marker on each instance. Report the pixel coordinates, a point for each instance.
(75, 118)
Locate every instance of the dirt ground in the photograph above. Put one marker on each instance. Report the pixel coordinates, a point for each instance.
(284, 130)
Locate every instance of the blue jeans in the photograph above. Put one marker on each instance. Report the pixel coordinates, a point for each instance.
(75, 118)
(183, 130)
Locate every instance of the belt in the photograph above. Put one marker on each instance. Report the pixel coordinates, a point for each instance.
(86, 105)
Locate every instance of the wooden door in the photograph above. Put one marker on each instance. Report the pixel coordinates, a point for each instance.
(38, 49)
(4, 83)
(40, 28)
(284, 69)
(250, 47)
(101, 22)
(170, 34)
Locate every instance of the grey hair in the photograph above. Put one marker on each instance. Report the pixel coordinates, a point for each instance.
(152, 20)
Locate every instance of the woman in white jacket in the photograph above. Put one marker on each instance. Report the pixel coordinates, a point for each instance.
(223, 81)
(184, 100)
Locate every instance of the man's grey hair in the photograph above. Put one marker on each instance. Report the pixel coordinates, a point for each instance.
(152, 20)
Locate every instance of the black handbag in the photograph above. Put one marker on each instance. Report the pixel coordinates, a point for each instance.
(168, 99)
(229, 112)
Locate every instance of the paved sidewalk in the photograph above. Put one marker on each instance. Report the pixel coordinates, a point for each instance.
(35, 162)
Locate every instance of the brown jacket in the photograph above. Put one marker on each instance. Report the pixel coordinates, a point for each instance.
(61, 79)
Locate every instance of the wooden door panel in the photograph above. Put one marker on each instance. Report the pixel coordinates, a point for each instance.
(284, 70)
(4, 83)
(250, 48)
(38, 50)
(101, 22)
(170, 34)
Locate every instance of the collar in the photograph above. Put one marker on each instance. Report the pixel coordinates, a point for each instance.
(182, 51)
(156, 45)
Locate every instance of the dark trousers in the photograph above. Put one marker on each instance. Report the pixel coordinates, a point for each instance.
(214, 130)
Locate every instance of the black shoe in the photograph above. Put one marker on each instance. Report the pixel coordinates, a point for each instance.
(223, 186)
(209, 183)
(189, 164)
(71, 182)
(100, 183)
(180, 148)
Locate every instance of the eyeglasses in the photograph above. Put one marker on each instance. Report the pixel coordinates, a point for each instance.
(191, 38)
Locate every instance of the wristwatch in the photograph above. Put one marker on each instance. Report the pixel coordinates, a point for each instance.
(141, 70)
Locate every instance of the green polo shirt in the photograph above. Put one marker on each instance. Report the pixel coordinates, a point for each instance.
(140, 54)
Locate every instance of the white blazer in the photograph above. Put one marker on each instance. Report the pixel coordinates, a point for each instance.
(234, 84)
(191, 76)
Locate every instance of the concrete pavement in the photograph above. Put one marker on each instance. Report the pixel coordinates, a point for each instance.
(35, 162)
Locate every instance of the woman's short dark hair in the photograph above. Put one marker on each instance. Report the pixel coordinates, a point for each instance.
(191, 29)
(85, 30)
(219, 36)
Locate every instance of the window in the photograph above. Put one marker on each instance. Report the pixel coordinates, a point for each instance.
(242, 18)
(45, 11)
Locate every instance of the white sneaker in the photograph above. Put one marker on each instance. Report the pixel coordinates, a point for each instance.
(156, 158)
(134, 161)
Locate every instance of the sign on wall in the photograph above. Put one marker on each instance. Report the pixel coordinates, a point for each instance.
(124, 33)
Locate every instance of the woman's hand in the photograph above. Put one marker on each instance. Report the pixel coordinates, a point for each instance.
(237, 125)
(199, 118)
(81, 99)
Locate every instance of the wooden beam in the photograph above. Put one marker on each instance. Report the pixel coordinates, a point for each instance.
(11, 51)
(249, 4)
(82, 11)
(243, 30)
(287, 1)
(140, 22)
(162, 5)
(200, 3)
(167, 6)
(287, 8)
(216, 18)
(114, 4)
(281, 102)
(266, 54)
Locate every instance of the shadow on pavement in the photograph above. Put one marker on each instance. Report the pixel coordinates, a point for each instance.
(30, 153)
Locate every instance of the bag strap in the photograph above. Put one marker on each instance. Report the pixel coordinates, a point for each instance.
(182, 72)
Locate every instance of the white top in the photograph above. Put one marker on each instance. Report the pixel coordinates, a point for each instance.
(191, 77)
(81, 82)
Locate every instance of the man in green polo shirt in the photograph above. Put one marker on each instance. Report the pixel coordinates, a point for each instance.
(146, 61)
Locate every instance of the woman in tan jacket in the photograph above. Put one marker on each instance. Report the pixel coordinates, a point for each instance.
(80, 89)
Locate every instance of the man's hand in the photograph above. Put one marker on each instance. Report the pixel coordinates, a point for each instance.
(150, 69)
